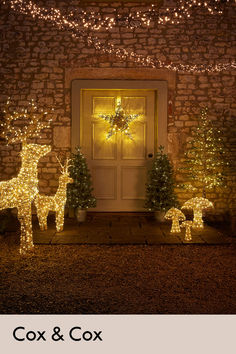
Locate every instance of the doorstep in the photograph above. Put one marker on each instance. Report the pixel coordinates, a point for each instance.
(122, 228)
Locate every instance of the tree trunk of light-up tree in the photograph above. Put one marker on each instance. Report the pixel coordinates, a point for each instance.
(204, 165)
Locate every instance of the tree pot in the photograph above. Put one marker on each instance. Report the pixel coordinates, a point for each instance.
(80, 214)
(159, 216)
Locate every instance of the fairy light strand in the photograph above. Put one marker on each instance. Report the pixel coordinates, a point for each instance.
(95, 21)
(56, 17)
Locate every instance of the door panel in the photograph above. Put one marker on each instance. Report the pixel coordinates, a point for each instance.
(104, 182)
(134, 188)
(118, 165)
(103, 104)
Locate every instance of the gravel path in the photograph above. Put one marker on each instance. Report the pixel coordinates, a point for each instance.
(93, 279)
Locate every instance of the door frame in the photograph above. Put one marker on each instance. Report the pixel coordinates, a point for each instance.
(160, 87)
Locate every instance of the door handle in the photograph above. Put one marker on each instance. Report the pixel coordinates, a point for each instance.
(150, 155)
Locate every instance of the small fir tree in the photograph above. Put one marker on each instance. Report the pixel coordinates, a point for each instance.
(79, 193)
(205, 158)
(160, 195)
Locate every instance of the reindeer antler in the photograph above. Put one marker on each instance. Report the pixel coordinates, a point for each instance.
(13, 133)
(64, 168)
(59, 161)
(67, 166)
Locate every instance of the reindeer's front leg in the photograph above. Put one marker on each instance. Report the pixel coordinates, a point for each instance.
(60, 220)
(25, 218)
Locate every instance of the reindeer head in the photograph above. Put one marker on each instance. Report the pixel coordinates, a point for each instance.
(65, 178)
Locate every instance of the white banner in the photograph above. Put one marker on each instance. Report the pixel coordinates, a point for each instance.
(113, 334)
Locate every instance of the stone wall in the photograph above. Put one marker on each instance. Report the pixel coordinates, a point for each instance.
(35, 59)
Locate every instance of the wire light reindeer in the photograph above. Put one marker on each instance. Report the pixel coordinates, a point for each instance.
(56, 202)
(19, 192)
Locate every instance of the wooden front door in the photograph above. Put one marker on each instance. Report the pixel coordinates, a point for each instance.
(118, 165)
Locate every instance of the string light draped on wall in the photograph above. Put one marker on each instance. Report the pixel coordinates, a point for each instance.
(78, 25)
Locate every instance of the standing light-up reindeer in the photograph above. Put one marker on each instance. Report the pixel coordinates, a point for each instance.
(19, 192)
(56, 202)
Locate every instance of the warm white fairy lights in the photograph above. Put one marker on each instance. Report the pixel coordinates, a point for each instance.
(197, 204)
(206, 158)
(187, 225)
(176, 216)
(72, 25)
(95, 20)
(119, 122)
(55, 203)
(19, 192)
(185, 8)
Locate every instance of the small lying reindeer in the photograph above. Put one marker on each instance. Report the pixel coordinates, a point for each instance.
(55, 203)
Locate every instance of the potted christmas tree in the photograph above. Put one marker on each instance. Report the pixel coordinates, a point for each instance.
(160, 195)
(79, 193)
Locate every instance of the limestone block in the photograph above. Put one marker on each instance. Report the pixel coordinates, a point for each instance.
(61, 136)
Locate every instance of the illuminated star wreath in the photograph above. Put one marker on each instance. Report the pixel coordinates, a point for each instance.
(119, 122)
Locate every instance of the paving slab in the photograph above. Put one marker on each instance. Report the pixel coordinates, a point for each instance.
(123, 228)
(43, 237)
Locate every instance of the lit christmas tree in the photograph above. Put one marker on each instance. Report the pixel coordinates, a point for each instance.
(205, 158)
(79, 193)
(160, 195)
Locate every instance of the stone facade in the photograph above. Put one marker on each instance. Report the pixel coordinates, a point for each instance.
(37, 59)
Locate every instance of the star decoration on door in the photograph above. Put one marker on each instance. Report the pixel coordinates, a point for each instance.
(119, 122)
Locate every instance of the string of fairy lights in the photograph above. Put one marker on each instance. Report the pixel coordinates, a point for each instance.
(153, 14)
(94, 21)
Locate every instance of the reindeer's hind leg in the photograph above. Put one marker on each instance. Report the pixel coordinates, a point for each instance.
(42, 213)
(42, 217)
(25, 218)
(45, 220)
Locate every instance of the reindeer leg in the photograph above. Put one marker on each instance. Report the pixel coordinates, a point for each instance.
(60, 220)
(45, 220)
(25, 218)
(40, 218)
(42, 221)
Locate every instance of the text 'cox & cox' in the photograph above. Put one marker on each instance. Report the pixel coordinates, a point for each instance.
(76, 334)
